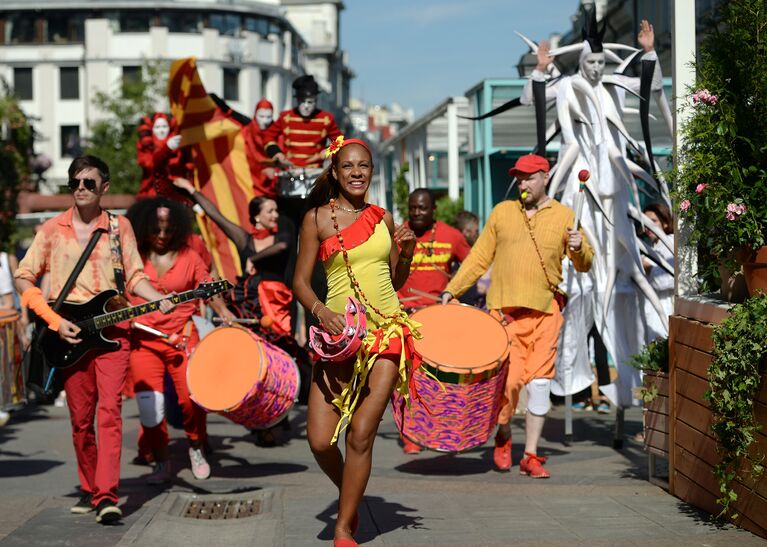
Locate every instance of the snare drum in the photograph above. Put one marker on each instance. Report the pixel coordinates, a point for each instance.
(466, 350)
(11, 380)
(242, 377)
(296, 182)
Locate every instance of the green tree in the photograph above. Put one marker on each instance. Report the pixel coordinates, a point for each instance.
(16, 139)
(401, 191)
(114, 137)
(448, 208)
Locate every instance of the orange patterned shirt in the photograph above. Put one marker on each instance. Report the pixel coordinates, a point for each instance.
(57, 250)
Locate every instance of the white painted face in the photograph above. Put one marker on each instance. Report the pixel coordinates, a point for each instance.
(593, 67)
(160, 129)
(306, 106)
(264, 117)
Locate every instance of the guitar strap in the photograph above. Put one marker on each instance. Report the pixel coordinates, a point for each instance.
(116, 252)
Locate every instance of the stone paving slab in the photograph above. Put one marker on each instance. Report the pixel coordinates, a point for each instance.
(596, 496)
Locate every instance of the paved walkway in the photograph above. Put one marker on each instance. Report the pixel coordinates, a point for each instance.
(596, 496)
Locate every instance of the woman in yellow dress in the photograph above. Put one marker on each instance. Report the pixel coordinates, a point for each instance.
(367, 257)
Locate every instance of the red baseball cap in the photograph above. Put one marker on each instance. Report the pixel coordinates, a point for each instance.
(529, 164)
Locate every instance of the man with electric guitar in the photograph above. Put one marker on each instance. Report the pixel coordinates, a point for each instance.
(94, 361)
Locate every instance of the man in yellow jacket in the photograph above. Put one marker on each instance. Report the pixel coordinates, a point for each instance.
(526, 241)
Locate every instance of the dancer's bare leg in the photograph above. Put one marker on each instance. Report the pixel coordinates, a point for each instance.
(359, 441)
(322, 418)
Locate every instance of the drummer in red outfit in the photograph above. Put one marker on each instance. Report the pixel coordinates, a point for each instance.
(162, 231)
(306, 129)
(438, 247)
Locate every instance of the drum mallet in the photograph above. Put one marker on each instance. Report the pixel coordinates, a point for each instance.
(583, 177)
(265, 321)
(172, 339)
(425, 294)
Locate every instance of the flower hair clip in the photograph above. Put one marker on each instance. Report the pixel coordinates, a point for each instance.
(335, 146)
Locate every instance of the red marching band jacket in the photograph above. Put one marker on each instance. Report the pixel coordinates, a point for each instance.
(303, 137)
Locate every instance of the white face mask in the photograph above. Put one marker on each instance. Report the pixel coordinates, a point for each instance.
(307, 106)
(593, 67)
(160, 129)
(263, 117)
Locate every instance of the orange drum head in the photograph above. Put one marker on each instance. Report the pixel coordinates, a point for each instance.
(461, 339)
(224, 367)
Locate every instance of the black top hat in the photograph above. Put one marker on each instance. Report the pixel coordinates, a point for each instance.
(305, 86)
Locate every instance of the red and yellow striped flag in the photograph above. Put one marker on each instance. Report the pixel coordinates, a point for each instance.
(222, 173)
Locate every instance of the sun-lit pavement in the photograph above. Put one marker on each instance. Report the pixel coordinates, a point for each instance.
(596, 496)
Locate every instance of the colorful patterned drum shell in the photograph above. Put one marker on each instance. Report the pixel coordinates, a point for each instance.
(241, 376)
(467, 350)
(11, 381)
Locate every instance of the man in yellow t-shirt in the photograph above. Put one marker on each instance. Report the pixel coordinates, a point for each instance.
(525, 241)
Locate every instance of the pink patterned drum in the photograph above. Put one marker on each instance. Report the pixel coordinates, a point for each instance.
(241, 376)
(467, 350)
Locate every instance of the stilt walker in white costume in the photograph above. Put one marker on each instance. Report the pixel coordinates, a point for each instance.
(590, 106)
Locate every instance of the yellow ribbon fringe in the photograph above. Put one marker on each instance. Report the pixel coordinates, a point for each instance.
(349, 397)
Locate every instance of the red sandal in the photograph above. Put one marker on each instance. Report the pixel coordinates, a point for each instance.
(532, 465)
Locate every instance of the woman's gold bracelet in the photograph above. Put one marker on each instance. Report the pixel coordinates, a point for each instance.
(314, 306)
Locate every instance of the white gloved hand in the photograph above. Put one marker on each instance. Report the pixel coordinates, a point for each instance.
(174, 142)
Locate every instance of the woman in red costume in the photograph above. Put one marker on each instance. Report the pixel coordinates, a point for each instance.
(264, 252)
(365, 256)
(159, 157)
(162, 231)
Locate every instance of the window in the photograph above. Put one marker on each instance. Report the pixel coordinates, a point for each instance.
(20, 28)
(259, 25)
(231, 84)
(70, 141)
(264, 83)
(225, 24)
(135, 21)
(131, 75)
(22, 83)
(64, 27)
(181, 21)
(69, 82)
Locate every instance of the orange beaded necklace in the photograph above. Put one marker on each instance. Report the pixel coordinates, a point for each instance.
(349, 271)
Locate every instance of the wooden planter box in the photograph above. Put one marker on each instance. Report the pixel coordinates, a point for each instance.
(656, 415)
(692, 448)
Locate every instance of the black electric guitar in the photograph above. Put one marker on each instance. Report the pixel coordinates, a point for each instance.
(94, 315)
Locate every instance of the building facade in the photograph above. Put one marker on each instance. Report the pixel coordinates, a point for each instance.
(59, 54)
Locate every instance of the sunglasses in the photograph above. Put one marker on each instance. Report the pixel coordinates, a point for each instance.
(74, 184)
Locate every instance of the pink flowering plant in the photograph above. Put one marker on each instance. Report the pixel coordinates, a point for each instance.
(720, 177)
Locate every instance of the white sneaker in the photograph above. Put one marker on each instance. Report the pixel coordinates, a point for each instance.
(200, 467)
(161, 474)
(4, 417)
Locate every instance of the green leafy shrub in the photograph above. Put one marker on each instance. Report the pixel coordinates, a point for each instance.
(740, 347)
(448, 208)
(721, 181)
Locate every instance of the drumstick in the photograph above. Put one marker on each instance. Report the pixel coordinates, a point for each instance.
(150, 330)
(425, 294)
(583, 176)
(265, 321)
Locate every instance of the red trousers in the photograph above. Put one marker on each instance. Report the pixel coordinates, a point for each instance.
(149, 360)
(94, 389)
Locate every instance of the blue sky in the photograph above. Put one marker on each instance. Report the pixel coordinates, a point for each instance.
(418, 52)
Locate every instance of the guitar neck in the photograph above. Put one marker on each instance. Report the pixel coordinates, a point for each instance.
(126, 314)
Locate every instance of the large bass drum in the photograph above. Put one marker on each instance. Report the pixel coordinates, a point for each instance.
(243, 377)
(296, 182)
(461, 381)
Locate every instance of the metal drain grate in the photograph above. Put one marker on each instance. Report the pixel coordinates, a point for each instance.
(221, 509)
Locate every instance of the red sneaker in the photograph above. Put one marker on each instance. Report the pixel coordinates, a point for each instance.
(408, 446)
(502, 452)
(533, 465)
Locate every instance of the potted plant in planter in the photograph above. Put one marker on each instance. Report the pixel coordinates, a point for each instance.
(721, 181)
(735, 376)
(653, 362)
